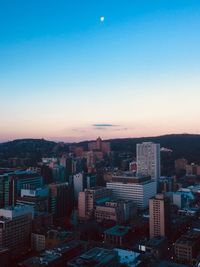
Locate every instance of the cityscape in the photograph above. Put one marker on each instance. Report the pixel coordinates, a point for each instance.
(85, 204)
(99, 133)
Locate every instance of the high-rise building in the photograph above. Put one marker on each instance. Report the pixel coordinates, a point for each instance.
(82, 181)
(88, 199)
(159, 211)
(12, 183)
(15, 228)
(60, 199)
(148, 159)
(128, 187)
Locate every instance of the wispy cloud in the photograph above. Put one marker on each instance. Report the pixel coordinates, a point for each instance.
(105, 125)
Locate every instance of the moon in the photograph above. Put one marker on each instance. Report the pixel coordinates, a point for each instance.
(102, 18)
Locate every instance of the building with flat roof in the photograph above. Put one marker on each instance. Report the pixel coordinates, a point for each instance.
(60, 199)
(156, 246)
(89, 198)
(96, 257)
(116, 235)
(119, 211)
(139, 189)
(15, 228)
(37, 198)
(187, 246)
(159, 212)
(128, 258)
(148, 159)
(11, 184)
(58, 256)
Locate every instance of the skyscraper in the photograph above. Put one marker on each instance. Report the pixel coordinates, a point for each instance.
(159, 211)
(148, 159)
(60, 199)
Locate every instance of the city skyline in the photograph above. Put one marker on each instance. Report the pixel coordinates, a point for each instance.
(68, 75)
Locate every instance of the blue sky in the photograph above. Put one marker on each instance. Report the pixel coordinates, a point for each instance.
(63, 71)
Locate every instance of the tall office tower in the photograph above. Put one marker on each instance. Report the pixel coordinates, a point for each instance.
(148, 159)
(60, 199)
(159, 211)
(12, 183)
(89, 198)
(66, 161)
(128, 187)
(15, 228)
(82, 181)
(58, 173)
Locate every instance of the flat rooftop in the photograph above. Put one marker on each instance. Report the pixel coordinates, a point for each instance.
(49, 256)
(117, 230)
(94, 257)
(155, 242)
(130, 258)
(44, 259)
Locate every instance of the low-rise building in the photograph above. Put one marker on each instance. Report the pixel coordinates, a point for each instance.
(116, 235)
(119, 211)
(187, 246)
(57, 257)
(156, 246)
(96, 257)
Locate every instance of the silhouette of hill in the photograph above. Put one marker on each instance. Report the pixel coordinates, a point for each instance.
(183, 145)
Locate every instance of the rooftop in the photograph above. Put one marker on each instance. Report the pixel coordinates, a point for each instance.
(94, 257)
(117, 230)
(49, 256)
(155, 242)
(44, 259)
(130, 258)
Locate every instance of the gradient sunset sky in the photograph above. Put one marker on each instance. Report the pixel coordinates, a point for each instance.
(65, 75)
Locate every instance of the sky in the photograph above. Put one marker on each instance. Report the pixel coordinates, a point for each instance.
(65, 75)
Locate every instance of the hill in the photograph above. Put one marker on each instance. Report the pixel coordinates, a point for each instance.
(183, 145)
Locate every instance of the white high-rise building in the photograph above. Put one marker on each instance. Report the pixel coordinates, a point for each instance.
(137, 189)
(148, 159)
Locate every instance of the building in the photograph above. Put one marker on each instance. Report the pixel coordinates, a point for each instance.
(187, 247)
(96, 257)
(119, 211)
(57, 257)
(183, 197)
(116, 235)
(50, 239)
(159, 212)
(89, 198)
(128, 258)
(133, 166)
(128, 187)
(165, 184)
(15, 228)
(180, 165)
(148, 159)
(99, 145)
(5, 257)
(60, 199)
(37, 198)
(11, 184)
(157, 246)
(58, 173)
(82, 181)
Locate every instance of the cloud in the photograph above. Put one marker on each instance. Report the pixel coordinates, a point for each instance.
(105, 125)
